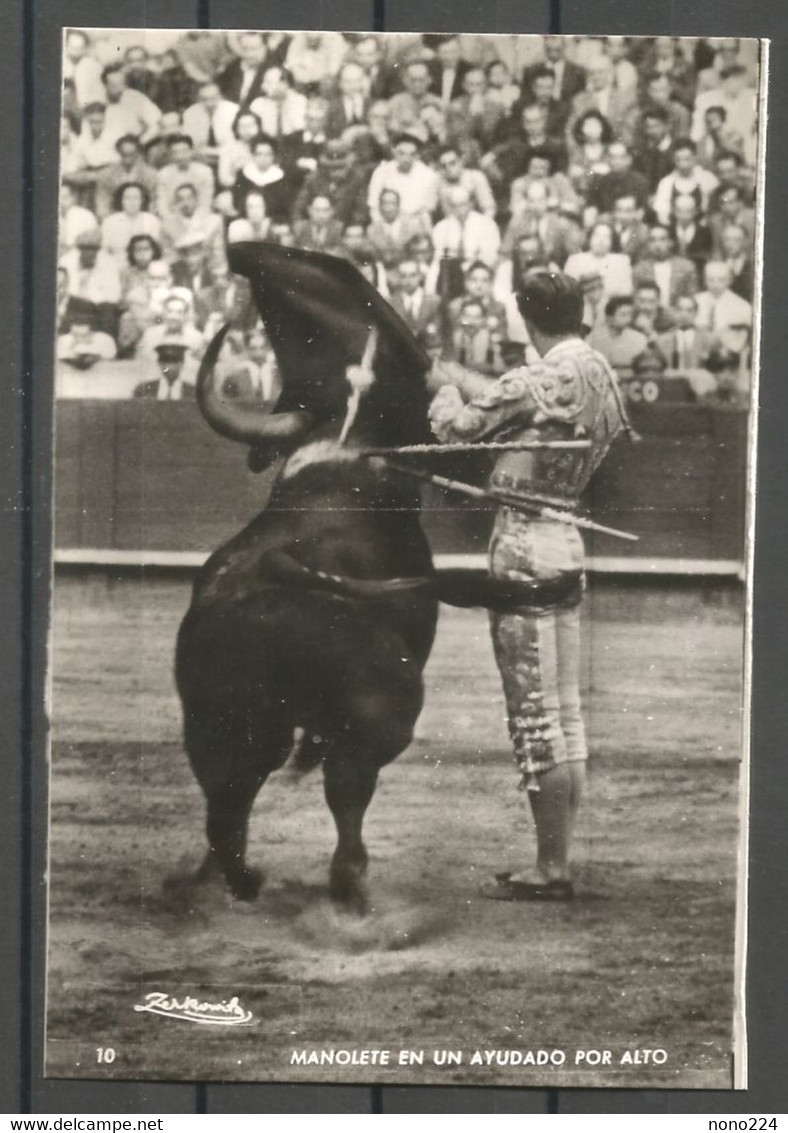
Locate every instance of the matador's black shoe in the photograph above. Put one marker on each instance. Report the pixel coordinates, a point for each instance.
(559, 889)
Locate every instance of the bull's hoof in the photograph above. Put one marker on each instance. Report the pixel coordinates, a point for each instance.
(185, 880)
(348, 890)
(209, 869)
(245, 884)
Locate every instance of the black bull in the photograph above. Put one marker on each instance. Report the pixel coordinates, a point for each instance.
(320, 615)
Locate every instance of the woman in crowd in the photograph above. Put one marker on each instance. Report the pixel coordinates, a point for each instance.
(130, 219)
(590, 137)
(544, 167)
(262, 173)
(234, 154)
(599, 258)
(500, 87)
(142, 250)
(255, 224)
(145, 272)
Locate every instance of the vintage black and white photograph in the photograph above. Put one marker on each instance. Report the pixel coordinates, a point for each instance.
(404, 451)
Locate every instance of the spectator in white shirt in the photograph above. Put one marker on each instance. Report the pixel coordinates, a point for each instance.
(131, 219)
(390, 233)
(727, 53)
(407, 107)
(415, 182)
(252, 376)
(82, 346)
(94, 148)
(738, 100)
(616, 339)
(688, 177)
(82, 69)
(128, 167)
(314, 58)
(625, 76)
(500, 87)
(673, 275)
(614, 267)
(235, 152)
(721, 311)
(465, 235)
(687, 347)
(182, 169)
(175, 327)
(73, 219)
(281, 109)
(209, 121)
(128, 111)
(255, 224)
(70, 162)
(189, 221)
(93, 273)
(261, 367)
(453, 172)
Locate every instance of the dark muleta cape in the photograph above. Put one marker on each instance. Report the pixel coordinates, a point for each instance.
(318, 311)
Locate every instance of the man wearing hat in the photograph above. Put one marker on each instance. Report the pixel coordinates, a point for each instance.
(169, 386)
(729, 377)
(337, 177)
(94, 275)
(191, 269)
(189, 223)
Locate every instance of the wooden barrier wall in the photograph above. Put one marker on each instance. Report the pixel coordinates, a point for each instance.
(149, 476)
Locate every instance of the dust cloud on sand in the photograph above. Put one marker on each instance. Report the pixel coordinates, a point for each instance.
(643, 957)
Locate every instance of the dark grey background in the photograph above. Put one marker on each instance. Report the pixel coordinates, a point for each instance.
(30, 49)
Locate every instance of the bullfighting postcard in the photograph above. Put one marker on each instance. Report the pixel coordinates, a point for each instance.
(404, 443)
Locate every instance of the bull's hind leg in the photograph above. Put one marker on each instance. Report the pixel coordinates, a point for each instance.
(229, 807)
(380, 721)
(349, 785)
(231, 763)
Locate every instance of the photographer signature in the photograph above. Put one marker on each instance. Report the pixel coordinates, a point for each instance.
(226, 1013)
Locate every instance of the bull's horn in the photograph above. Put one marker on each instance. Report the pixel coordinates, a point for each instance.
(241, 422)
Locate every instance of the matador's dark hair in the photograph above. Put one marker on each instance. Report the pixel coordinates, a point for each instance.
(552, 301)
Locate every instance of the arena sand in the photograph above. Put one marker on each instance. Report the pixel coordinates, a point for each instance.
(643, 959)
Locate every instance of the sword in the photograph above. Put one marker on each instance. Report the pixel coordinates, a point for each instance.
(516, 503)
(477, 446)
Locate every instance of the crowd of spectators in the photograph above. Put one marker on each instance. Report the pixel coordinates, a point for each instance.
(445, 167)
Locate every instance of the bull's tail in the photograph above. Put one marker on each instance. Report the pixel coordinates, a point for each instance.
(464, 587)
(280, 566)
(456, 587)
(304, 756)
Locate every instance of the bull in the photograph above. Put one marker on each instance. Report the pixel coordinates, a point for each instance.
(318, 618)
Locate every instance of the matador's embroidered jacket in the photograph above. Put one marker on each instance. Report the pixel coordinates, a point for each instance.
(570, 394)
